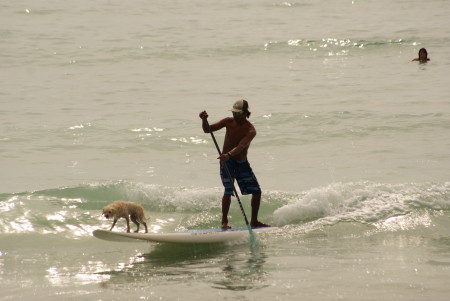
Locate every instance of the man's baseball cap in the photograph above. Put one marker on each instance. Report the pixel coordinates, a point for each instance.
(240, 105)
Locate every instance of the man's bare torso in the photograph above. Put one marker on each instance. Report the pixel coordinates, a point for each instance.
(239, 134)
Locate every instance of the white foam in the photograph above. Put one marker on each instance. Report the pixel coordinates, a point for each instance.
(364, 202)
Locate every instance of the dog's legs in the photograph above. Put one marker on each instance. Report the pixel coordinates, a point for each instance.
(114, 223)
(128, 224)
(145, 225)
(134, 220)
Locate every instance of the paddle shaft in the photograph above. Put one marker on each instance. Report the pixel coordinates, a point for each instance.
(224, 165)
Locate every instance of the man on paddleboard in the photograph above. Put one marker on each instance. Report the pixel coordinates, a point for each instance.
(238, 136)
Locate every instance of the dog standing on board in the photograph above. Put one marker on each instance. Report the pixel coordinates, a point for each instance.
(126, 210)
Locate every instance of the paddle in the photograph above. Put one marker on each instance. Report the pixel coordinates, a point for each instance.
(253, 240)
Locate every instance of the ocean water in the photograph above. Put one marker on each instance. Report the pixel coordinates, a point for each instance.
(100, 102)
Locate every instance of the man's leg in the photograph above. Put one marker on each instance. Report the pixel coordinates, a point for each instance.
(256, 201)
(226, 201)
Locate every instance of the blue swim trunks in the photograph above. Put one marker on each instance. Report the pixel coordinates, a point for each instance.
(242, 172)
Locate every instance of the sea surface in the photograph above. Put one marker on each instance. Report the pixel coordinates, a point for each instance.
(99, 102)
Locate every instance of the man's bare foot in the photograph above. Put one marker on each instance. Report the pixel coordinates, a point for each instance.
(258, 224)
(225, 226)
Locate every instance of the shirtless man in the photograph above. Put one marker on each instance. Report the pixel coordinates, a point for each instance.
(239, 134)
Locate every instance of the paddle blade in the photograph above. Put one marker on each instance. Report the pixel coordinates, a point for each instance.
(253, 240)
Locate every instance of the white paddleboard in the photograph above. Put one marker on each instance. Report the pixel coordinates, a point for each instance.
(201, 236)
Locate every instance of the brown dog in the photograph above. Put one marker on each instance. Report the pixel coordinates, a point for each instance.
(126, 210)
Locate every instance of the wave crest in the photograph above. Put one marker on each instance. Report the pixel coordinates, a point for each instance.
(363, 202)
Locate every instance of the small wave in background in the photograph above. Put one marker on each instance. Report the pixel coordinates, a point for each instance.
(76, 211)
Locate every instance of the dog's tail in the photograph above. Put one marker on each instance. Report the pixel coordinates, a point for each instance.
(145, 218)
